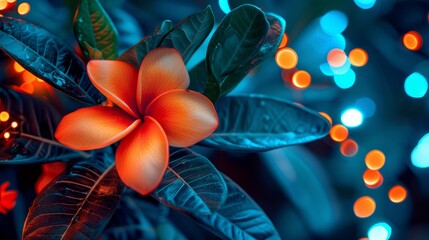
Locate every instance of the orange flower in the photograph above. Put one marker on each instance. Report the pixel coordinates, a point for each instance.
(7, 198)
(155, 111)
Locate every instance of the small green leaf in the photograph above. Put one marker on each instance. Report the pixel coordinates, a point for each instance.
(260, 123)
(232, 48)
(94, 53)
(92, 25)
(191, 184)
(190, 33)
(48, 58)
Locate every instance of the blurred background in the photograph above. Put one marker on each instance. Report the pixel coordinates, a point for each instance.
(362, 63)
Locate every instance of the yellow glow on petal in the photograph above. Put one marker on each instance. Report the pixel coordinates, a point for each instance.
(23, 8)
(4, 116)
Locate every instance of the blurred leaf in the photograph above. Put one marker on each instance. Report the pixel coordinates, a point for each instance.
(190, 33)
(93, 25)
(47, 57)
(136, 53)
(93, 53)
(33, 140)
(238, 218)
(259, 123)
(167, 231)
(78, 204)
(233, 48)
(191, 184)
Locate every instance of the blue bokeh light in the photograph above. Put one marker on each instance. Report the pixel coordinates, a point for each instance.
(333, 22)
(366, 106)
(352, 117)
(365, 4)
(224, 6)
(380, 231)
(420, 154)
(416, 85)
(346, 80)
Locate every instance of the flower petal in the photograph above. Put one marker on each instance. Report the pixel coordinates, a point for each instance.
(94, 127)
(117, 81)
(162, 70)
(8, 199)
(142, 157)
(4, 186)
(186, 116)
(2, 209)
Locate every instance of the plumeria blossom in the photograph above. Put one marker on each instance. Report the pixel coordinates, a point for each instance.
(153, 110)
(7, 198)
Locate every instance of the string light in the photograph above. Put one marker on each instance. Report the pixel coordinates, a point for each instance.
(6, 135)
(14, 124)
(4, 116)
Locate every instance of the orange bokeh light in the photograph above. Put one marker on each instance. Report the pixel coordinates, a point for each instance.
(23, 8)
(325, 115)
(301, 79)
(412, 40)
(397, 194)
(364, 207)
(336, 57)
(17, 67)
(358, 57)
(4, 116)
(339, 133)
(286, 58)
(3, 4)
(284, 41)
(375, 159)
(371, 177)
(349, 148)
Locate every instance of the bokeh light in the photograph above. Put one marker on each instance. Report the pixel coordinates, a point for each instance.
(339, 133)
(224, 6)
(416, 85)
(14, 124)
(364, 207)
(412, 40)
(286, 58)
(6, 135)
(365, 4)
(419, 155)
(3, 4)
(352, 117)
(301, 79)
(334, 22)
(4, 116)
(283, 43)
(349, 148)
(358, 57)
(397, 194)
(380, 231)
(345, 80)
(336, 57)
(366, 106)
(371, 177)
(375, 159)
(23, 8)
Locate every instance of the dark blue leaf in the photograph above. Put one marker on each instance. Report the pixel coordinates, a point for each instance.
(238, 218)
(33, 140)
(47, 57)
(191, 184)
(259, 123)
(78, 204)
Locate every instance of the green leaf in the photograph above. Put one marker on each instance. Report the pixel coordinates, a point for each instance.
(238, 218)
(260, 123)
(94, 53)
(198, 77)
(78, 204)
(232, 49)
(92, 25)
(47, 57)
(190, 33)
(191, 184)
(32, 142)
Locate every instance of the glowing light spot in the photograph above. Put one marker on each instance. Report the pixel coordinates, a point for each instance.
(286, 58)
(365, 4)
(397, 194)
(39, 80)
(412, 40)
(346, 80)
(352, 117)
(366, 106)
(416, 85)
(3, 4)
(27, 88)
(4, 116)
(17, 67)
(349, 148)
(358, 57)
(333, 22)
(6, 135)
(23, 8)
(375, 159)
(326, 69)
(301, 79)
(284, 41)
(11, 1)
(336, 57)
(419, 155)
(342, 69)
(224, 6)
(364, 207)
(325, 115)
(14, 124)
(339, 133)
(28, 77)
(380, 231)
(372, 178)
